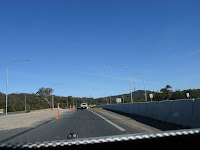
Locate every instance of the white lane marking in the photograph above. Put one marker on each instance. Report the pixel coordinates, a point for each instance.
(118, 127)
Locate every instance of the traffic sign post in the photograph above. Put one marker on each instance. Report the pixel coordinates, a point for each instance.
(118, 100)
(151, 96)
(188, 95)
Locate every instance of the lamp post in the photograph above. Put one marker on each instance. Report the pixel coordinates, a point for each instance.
(144, 85)
(129, 77)
(52, 98)
(7, 82)
(25, 102)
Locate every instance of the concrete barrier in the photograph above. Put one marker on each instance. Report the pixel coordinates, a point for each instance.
(127, 108)
(182, 112)
(134, 108)
(196, 114)
(151, 110)
(163, 110)
(143, 109)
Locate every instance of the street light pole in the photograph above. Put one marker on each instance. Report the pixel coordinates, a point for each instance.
(129, 78)
(144, 85)
(7, 91)
(25, 102)
(52, 102)
(7, 83)
(52, 97)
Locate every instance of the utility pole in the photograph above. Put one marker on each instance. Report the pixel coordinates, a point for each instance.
(52, 102)
(7, 83)
(25, 102)
(123, 97)
(129, 75)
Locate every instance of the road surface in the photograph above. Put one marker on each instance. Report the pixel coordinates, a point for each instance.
(86, 123)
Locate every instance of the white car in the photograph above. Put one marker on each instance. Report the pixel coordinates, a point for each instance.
(84, 106)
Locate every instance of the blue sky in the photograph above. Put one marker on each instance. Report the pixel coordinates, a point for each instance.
(73, 42)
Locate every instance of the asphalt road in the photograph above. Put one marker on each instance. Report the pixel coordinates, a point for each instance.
(86, 123)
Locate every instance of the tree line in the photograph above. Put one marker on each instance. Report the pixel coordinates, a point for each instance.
(167, 94)
(164, 94)
(43, 99)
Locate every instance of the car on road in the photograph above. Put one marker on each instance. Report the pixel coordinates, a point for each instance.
(79, 107)
(84, 106)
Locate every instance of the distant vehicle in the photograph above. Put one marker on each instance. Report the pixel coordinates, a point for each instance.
(84, 106)
(91, 106)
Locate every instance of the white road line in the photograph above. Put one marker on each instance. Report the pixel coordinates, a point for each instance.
(118, 127)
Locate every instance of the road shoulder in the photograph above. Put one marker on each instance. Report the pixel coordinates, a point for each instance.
(132, 125)
(17, 124)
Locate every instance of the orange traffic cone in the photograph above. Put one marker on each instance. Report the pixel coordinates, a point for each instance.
(58, 111)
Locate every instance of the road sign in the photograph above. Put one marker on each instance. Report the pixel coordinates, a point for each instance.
(188, 95)
(1, 111)
(151, 96)
(118, 100)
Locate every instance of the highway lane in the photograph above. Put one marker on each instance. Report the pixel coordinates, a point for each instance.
(86, 123)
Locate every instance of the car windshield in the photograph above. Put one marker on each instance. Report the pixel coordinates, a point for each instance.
(97, 68)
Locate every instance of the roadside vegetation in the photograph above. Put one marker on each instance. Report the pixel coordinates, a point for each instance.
(43, 98)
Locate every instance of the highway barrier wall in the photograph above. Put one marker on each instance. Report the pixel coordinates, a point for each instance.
(181, 112)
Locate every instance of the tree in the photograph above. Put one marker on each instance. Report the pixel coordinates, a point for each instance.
(194, 93)
(159, 96)
(166, 91)
(2, 100)
(178, 95)
(11, 108)
(44, 94)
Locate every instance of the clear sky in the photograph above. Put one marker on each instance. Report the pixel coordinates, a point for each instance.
(72, 42)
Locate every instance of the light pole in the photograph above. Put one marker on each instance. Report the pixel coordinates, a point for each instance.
(129, 77)
(52, 99)
(52, 102)
(7, 82)
(25, 102)
(144, 85)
